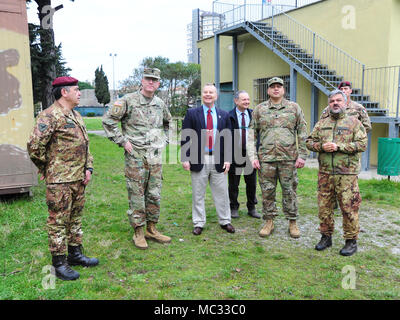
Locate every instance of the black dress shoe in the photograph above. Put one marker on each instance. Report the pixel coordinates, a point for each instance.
(325, 242)
(197, 231)
(349, 248)
(229, 228)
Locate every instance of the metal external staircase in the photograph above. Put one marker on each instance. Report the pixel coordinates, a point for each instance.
(318, 73)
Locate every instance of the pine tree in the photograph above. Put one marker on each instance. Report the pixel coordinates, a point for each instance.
(101, 90)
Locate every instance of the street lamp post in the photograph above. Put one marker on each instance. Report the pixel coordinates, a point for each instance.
(113, 55)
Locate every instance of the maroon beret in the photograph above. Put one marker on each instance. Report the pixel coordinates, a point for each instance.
(64, 81)
(344, 84)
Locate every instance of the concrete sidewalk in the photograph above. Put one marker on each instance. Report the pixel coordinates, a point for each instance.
(365, 175)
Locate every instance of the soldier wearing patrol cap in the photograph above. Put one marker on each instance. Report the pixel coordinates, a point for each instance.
(59, 147)
(282, 130)
(145, 121)
(339, 139)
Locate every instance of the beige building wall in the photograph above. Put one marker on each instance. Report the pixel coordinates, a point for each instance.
(359, 27)
(394, 35)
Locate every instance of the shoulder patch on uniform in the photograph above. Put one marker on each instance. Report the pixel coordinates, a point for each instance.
(118, 109)
(42, 127)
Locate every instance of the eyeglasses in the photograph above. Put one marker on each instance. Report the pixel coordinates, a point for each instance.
(148, 79)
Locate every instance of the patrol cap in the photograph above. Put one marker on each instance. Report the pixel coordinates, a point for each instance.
(152, 73)
(64, 81)
(274, 80)
(344, 84)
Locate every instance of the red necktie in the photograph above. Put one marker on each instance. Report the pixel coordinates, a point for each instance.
(243, 132)
(210, 132)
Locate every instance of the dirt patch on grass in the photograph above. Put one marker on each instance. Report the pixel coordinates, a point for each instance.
(378, 228)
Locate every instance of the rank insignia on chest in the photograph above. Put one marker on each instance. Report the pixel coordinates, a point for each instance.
(69, 125)
(341, 130)
(42, 127)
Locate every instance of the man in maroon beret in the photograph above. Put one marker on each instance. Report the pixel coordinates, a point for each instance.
(59, 147)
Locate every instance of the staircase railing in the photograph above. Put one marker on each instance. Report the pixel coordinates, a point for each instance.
(321, 49)
(383, 86)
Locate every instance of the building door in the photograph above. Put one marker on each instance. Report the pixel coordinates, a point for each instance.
(226, 96)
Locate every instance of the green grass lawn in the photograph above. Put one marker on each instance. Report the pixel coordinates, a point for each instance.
(215, 265)
(93, 123)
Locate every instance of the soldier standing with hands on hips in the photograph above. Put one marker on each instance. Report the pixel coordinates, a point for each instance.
(145, 122)
(59, 147)
(282, 130)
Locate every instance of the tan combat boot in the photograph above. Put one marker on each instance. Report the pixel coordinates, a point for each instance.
(153, 234)
(139, 239)
(267, 229)
(293, 229)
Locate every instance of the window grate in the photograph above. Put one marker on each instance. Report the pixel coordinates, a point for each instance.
(260, 89)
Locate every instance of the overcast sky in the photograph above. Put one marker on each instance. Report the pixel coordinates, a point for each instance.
(90, 30)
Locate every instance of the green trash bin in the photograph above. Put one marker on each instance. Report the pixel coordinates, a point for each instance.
(389, 156)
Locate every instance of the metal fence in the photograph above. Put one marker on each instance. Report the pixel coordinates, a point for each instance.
(383, 86)
(234, 12)
(325, 52)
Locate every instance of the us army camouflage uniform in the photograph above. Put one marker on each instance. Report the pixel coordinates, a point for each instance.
(280, 128)
(145, 123)
(59, 147)
(353, 109)
(338, 171)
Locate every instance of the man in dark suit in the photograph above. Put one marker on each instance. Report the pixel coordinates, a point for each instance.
(240, 119)
(206, 143)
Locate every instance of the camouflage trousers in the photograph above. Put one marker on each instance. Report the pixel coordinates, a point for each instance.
(286, 173)
(65, 203)
(143, 181)
(345, 189)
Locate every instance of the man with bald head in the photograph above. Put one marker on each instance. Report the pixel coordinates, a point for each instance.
(206, 143)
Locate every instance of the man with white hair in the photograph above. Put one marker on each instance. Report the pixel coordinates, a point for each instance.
(206, 143)
(240, 119)
(339, 139)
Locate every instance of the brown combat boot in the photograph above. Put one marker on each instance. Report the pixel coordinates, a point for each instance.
(153, 234)
(267, 229)
(139, 239)
(293, 229)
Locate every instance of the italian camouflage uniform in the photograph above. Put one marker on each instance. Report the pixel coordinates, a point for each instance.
(338, 171)
(282, 130)
(145, 123)
(353, 109)
(59, 147)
